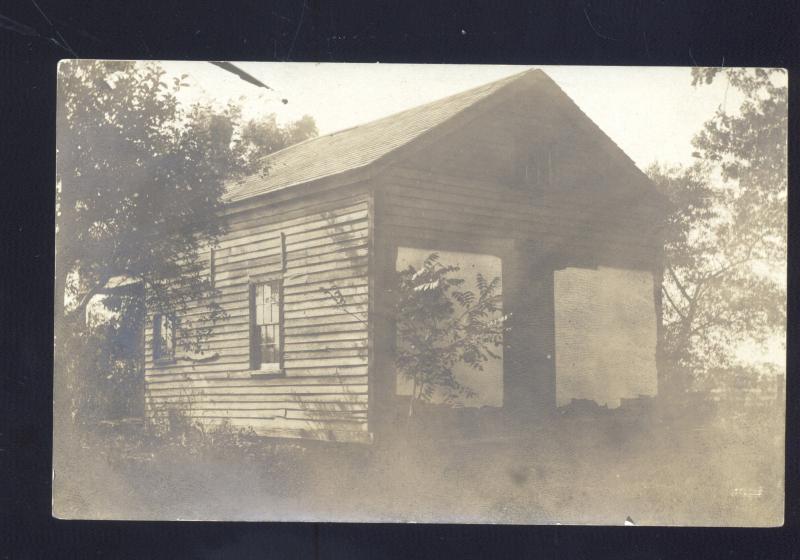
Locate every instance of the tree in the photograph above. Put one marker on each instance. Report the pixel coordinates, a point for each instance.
(140, 183)
(265, 136)
(438, 326)
(724, 281)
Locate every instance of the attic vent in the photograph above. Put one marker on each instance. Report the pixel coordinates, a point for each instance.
(537, 169)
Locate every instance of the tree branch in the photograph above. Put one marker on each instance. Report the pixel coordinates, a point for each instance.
(678, 283)
(672, 303)
(98, 287)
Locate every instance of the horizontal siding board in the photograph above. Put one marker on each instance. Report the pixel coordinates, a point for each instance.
(325, 347)
(522, 215)
(324, 384)
(353, 280)
(295, 410)
(269, 218)
(237, 394)
(478, 223)
(325, 371)
(295, 252)
(308, 426)
(325, 415)
(330, 226)
(294, 307)
(360, 310)
(323, 362)
(503, 197)
(287, 385)
(327, 353)
(340, 325)
(334, 399)
(320, 337)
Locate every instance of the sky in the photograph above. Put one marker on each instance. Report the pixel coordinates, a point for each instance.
(651, 113)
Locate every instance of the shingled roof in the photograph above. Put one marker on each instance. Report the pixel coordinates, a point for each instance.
(358, 146)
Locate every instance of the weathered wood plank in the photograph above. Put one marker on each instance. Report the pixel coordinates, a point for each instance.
(307, 426)
(332, 399)
(325, 371)
(290, 386)
(332, 225)
(287, 216)
(291, 355)
(323, 362)
(337, 328)
(325, 415)
(321, 245)
(263, 409)
(360, 310)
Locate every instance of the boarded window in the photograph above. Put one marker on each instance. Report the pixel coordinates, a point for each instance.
(487, 383)
(163, 337)
(534, 165)
(605, 326)
(266, 341)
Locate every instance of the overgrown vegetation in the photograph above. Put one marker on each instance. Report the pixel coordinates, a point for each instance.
(573, 470)
(105, 364)
(439, 325)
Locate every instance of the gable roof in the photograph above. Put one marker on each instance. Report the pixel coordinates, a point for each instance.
(362, 145)
(358, 146)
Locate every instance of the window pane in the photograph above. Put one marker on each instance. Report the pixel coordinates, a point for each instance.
(264, 312)
(266, 343)
(265, 334)
(168, 334)
(274, 310)
(163, 336)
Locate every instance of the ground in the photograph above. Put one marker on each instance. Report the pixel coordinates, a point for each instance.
(577, 470)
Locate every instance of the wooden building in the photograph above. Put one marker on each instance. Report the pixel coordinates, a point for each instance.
(510, 174)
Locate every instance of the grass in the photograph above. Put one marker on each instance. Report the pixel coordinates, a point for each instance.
(571, 470)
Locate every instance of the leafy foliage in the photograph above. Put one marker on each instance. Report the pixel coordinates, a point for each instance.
(724, 282)
(140, 184)
(265, 136)
(439, 325)
(105, 366)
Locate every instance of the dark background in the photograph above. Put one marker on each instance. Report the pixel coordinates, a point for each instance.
(34, 35)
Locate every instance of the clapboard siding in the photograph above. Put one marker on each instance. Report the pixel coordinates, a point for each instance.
(324, 386)
(468, 184)
(463, 194)
(429, 204)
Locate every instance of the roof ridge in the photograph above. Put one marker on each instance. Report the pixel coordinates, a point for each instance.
(360, 145)
(509, 78)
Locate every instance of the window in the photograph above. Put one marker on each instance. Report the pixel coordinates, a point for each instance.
(266, 338)
(534, 165)
(605, 335)
(163, 337)
(537, 170)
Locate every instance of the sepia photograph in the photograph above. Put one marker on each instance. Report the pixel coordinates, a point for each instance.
(420, 293)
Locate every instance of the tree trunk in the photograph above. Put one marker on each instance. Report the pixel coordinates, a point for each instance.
(62, 398)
